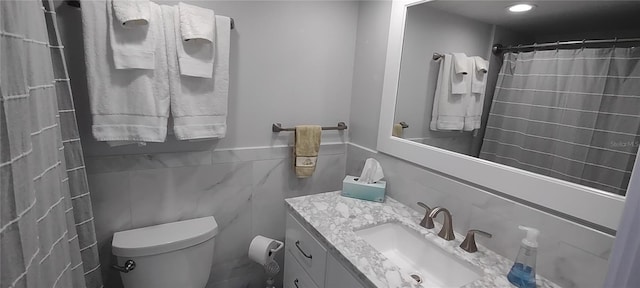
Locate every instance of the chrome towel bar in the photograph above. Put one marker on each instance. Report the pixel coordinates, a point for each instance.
(277, 127)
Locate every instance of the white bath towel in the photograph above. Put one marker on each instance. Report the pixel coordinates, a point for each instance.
(129, 104)
(195, 40)
(448, 109)
(475, 101)
(199, 105)
(132, 12)
(131, 39)
(460, 75)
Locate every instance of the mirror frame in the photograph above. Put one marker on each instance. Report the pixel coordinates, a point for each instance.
(582, 202)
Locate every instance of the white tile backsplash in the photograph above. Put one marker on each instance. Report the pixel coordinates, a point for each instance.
(243, 189)
(245, 193)
(570, 254)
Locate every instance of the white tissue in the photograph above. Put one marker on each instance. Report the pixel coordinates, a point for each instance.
(371, 172)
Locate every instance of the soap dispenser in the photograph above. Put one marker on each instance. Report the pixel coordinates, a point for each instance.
(523, 272)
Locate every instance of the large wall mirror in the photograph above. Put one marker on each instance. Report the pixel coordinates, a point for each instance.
(542, 105)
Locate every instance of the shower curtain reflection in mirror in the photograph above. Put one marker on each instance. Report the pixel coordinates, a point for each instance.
(568, 114)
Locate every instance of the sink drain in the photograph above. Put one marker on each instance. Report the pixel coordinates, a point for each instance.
(417, 277)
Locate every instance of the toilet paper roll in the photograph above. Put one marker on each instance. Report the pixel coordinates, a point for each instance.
(263, 249)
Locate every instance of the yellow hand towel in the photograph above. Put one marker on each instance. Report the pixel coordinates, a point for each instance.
(397, 130)
(305, 151)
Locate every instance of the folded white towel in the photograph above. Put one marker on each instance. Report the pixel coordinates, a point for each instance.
(478, 74)
(195, 47)
(126, 105)
(482, 65)
(460, 76)
(448, 109)
(196, 23)
(475, 101)
(199, 105)
(460, 64)
(133, 46)
(132, 12)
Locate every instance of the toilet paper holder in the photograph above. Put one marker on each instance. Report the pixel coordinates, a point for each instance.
(276, 249)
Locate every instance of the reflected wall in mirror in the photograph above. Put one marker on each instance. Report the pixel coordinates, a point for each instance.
(570, 111)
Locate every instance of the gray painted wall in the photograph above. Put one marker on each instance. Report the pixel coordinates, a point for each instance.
(291, 62)
(429, 30)
(368, 71)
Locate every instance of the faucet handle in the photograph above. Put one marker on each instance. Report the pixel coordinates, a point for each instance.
(421, 204)
(426, 221)
(469, 243)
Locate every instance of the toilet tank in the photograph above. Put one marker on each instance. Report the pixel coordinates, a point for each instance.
(177, 254)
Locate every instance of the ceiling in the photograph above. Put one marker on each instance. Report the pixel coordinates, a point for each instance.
(549, 16)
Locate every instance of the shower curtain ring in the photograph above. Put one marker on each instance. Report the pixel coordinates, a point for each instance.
(557, 46)
(584, 42)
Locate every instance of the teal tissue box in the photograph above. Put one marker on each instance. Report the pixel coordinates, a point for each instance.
(371, 192)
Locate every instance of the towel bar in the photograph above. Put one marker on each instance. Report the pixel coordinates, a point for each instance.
(76, 4)
(277, 127)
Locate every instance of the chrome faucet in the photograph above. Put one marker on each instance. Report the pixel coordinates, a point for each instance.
(446, 232)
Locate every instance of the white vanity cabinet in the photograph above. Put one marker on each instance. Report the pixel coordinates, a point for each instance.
(307, 264)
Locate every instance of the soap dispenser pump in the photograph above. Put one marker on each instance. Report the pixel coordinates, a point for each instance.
(523, 272)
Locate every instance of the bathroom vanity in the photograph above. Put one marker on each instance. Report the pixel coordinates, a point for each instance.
(334, 241)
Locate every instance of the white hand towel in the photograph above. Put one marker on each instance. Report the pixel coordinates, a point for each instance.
(195, 40)
(461, 71)
(199, 105)
(196, 23)
(448, 109)
(475, 102)
(132, 12)
(126, 105)
(478, 74)
(131, 39)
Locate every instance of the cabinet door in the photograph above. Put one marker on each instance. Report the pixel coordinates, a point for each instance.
(294, 275)
(307, 250)
(338, 276)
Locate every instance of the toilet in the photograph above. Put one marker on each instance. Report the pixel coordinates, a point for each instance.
(177, 254)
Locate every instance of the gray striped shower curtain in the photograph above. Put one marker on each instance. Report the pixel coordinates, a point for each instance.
(569, 114)
(47, 236)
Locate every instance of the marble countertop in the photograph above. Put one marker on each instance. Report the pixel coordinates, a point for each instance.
(332, 219)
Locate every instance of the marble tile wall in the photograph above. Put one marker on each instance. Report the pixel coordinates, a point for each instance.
(244, 189)
(569, 254)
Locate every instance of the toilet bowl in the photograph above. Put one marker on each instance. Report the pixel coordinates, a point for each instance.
(171, 255)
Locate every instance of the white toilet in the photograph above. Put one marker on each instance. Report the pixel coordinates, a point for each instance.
(171, 255)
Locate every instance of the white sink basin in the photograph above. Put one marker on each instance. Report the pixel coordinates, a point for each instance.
(419, 256)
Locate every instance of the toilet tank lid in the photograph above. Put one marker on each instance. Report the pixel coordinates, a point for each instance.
(164, 237)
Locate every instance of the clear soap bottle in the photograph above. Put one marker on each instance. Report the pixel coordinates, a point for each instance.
(523, 272)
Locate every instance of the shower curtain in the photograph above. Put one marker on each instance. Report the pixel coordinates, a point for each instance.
(569, 114)
(47, 235)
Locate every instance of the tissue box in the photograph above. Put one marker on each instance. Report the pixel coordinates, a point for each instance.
(371, 192)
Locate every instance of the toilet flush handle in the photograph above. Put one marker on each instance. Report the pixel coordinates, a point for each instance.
(128, 266)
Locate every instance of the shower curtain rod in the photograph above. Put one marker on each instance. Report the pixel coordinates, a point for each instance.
(499, 49)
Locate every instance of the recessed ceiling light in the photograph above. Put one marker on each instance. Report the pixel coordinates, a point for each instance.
(520, 8)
